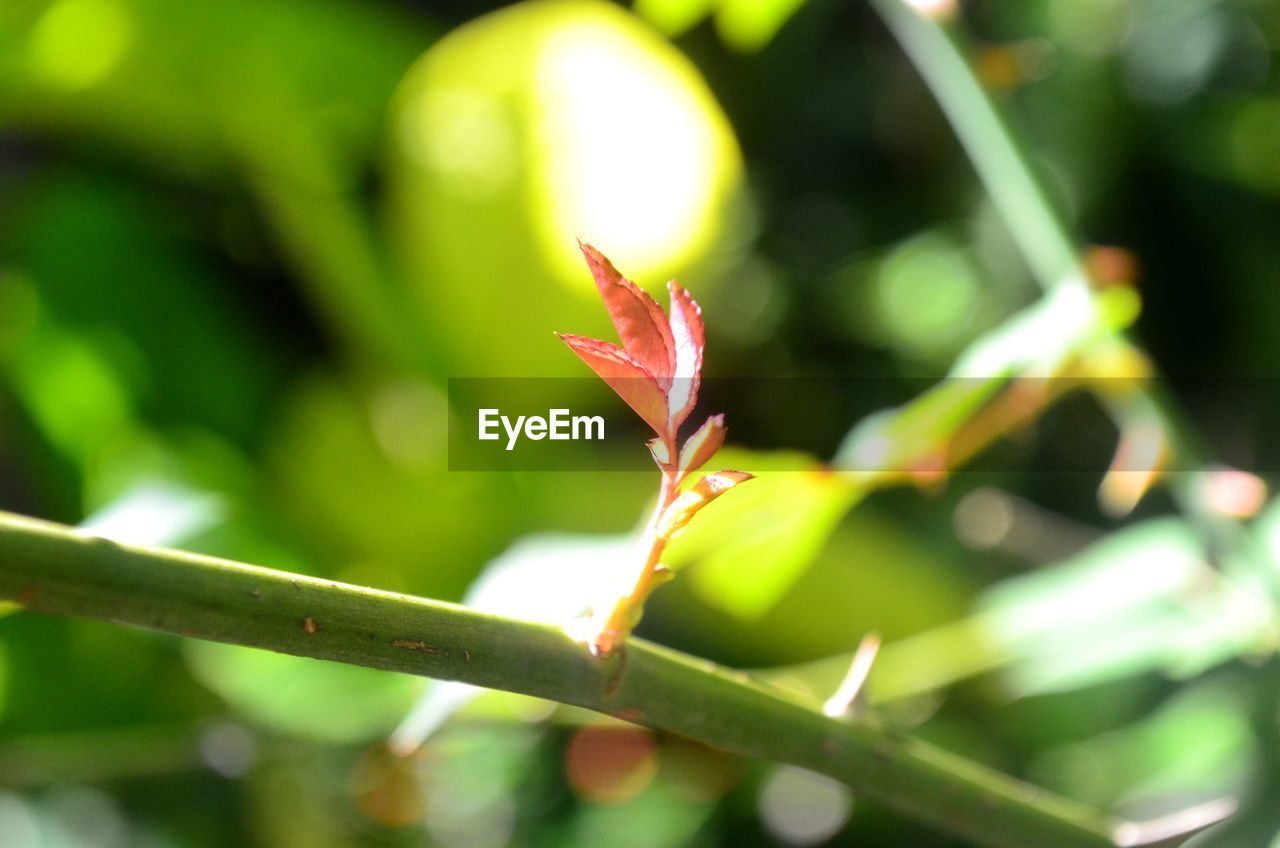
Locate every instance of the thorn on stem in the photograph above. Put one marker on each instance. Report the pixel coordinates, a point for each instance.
(852, 690)
(1174, 829)
(939, 10)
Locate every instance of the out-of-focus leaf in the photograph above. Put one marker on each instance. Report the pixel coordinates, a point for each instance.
(1141, 600)
(656, 816)
(1037, 341)
(745, 25)
(362, 469)
(1197, 747)
(751, 548)
(161, 315)
(750, 24)
(548, 578)
(1267, 527)
(329, 701)
(871, 575)
(538, 124)
(75, 397)
(4, 676)
(156, 512)
(159, 81)
(673, 17)
(896, 439)
(472, 776)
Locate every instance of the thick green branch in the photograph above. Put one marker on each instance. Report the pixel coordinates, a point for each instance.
(54, 569)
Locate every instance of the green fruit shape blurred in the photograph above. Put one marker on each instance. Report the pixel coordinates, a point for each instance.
(529, 128)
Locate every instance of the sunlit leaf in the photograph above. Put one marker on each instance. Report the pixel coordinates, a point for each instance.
(751, 548)
(1198, 746)
(292, 695)
(1143, 599)
(538, 124)
(625, 376)
(673, 17)
(703, 444)
(688, 335)
(750, 24)
(689, 502)
(640, 322)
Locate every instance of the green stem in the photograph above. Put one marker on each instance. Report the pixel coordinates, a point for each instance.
(1002, 166)
(54, 569)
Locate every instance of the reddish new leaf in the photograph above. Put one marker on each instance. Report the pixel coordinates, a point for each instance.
(689, 341)
(658, 450)
(638, 318)
(684, 507)
(702, 445)
(625, 376)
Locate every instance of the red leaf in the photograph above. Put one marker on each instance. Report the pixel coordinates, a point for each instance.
(689, 341)
(702, 445)
(625, 376)
(640, 322)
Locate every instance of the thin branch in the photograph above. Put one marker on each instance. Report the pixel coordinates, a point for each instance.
(933, 44)
(54, 569)
(1004, 169)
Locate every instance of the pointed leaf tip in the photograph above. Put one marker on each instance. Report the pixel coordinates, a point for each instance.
(703, 444)
(625, 376)
(684, 507)
(641, 324)
(689, 341)
(719, 482)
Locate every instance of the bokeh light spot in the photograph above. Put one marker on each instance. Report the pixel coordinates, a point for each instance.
(466, 139)
(1253, 144)
(1173, 50)
(85, 817)
(18, 822)
(636, 153)
(409, 419)
(76, 43)
(984, 518)
(695, 772)
(937, 9)
(926, 293)
(387, 788)
(229, 749)
(802, 807)
(608, 764)
(1092, 28)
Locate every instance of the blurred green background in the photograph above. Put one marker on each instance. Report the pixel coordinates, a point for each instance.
(245, 243)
